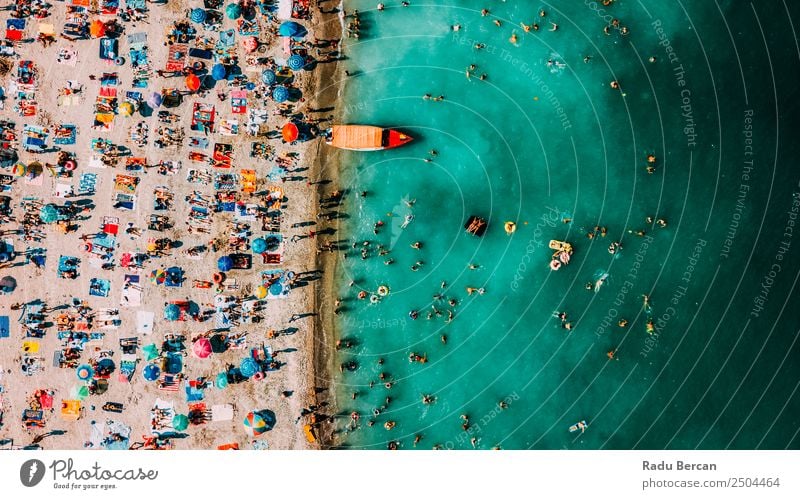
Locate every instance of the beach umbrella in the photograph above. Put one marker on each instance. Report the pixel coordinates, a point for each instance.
(290, 134)
(193, 82)
(151, 372)
(280, 94)
(233, 11)
(155, 100)
(19, 170)
(202, 348)
(172, 312)
(221, 381)
(158, 276)
(8, 284)
(255, 424)
(84, 372)
(293, 29)
(248, 367)
(225, 263)
(34, 169)
(261, 292)
(250, 44)
(197, 15)
(97, 29)
(259, 245)
(180, 422)
(218, 72)
(49, 214)
(105, 366)
(80, 392)
(126, 109)
(268, 77)
(296, 62)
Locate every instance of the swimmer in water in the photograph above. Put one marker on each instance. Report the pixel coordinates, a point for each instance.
(513, 39)
(525, 27)
(443, 339)
(622, 323)
(661, 222)
(409, 218)
(473, 266)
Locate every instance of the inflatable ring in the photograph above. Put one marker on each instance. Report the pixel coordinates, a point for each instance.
(258, 376)
(510, 227)
(383, 290)
(199, 66)
(219, 278)
(70, 165)
(374, 299)
(119, 61)
(87, 247)
(555, 264)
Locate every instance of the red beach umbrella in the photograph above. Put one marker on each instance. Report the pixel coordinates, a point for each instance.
(193, 82)
(97, 29)
(290, 132)
(202, 348)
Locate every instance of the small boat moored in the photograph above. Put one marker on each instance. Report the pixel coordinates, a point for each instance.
(365, 137)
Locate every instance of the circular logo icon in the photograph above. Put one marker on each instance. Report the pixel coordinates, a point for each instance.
(31, 472)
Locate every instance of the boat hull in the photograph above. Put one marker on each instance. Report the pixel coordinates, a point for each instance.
(365, 138)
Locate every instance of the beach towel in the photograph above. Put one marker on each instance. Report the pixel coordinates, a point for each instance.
(127, 367)
(5, 330)
(144, 322)
(176, 57)
(132, 297)
(221, 412)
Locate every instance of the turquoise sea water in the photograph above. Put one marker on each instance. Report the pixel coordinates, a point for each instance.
(537, 143)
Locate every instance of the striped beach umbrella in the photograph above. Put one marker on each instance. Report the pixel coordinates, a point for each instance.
(197, 15)
(254, 424)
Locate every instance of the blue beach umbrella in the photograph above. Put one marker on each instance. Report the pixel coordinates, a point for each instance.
(84, 372)
(222, 380)
(172, 312)
(248, 367)
(259, 245)
(225, 263)
(197, 15)
(293, 29)
(296, 62)
(268, 77)
(151, 372)
(233, 11)
(49, 214)
(106, 366)
(218, 72)
(280, 94)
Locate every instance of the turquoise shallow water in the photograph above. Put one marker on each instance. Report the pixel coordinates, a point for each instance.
(537, 143)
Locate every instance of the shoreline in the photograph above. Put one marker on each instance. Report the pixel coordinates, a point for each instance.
(326, 165)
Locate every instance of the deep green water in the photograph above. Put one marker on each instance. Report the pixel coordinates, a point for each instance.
(536, 144)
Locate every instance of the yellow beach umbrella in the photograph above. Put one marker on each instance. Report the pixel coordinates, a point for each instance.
(126, 109)
(261, 292)
(19, 170)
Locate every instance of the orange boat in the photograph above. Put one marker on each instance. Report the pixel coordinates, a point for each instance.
(365, 137)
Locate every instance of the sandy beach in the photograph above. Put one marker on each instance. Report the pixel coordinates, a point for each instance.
(287, 328)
